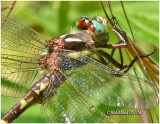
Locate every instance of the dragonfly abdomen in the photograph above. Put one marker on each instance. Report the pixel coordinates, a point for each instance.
(34, 96)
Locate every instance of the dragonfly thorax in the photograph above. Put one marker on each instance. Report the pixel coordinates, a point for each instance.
(78, 42)
(74, 42)
(69, 42)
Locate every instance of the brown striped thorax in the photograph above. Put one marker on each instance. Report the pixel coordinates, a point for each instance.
(69, 42)
(75, 42)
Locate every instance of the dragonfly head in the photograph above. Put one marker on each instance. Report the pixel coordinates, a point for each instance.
(97, 27)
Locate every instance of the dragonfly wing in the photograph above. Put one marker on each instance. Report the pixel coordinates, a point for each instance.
(21, 49)
(69, 105)
(106, 86)
(20, 39)
(17, 74)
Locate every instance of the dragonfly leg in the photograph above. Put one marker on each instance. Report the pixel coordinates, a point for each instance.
(110, 58)
(121, 35)
(120, 65)
(122, 43)
(101, 58)
(120, 53)
(135, 59)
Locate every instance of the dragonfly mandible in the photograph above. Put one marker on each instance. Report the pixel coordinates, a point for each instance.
(64, 88)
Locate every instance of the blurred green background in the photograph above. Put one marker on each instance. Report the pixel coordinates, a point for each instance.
(52, 19)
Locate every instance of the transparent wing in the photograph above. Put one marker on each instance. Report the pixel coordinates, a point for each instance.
(69, 105)
(19, 38)
(21, 49)
(17, 74)
(106, 86)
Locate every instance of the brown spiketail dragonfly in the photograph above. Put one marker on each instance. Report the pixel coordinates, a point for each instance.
(61, 75)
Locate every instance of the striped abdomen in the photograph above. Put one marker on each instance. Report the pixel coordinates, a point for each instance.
(34, 96)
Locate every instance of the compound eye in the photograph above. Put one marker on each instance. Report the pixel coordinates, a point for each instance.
(82, 23)
(101, 20)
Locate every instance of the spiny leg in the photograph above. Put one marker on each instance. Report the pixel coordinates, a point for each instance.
(119, 45)
(101, 58)
(135, 59)
(119, 65)
(122, 37)
(121, 56)
(121, 34)
(110, 58)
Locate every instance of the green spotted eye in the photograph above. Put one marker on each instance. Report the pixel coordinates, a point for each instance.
(94, 26)
(99, 28)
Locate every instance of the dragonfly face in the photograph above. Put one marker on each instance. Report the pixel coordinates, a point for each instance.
(96, 26)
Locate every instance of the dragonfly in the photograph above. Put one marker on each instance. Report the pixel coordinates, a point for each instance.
(64, 88)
